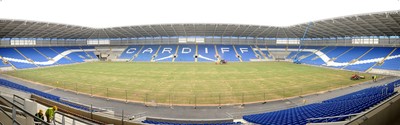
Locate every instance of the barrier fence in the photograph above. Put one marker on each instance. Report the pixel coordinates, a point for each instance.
(152, 98)
(149, 96)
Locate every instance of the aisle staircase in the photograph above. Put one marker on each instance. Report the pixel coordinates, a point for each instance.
(382, 61)
(176, 54)
(262, 54)
(334, 58)
(155, 55)
(306, 56)
(30, 60)
(197, 50)
(135, 55)
(237, 54)
(216, 52)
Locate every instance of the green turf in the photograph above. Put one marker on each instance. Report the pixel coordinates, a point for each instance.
(190, 83)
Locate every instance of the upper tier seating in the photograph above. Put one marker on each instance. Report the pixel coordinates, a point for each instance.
(352, 103)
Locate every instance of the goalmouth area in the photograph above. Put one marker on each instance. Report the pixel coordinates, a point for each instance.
(191, 83)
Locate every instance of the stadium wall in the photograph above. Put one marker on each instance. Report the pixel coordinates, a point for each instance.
(191, 121)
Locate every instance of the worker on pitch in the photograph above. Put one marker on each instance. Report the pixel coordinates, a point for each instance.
(50, 114)
(374, 78)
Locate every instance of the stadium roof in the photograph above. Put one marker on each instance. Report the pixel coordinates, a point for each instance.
(371, 24)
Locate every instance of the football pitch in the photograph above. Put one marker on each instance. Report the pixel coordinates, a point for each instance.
(190, 83)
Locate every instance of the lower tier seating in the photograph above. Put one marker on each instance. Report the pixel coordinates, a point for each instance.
(352, 103)
(19, 87)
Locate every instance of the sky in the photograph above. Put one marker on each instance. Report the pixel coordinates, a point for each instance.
(116, 13)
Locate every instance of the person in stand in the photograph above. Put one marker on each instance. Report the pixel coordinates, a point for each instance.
(40, 116)
(50, 113)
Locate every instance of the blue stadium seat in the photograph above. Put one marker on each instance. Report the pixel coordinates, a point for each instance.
(315, 59)
(32, 54)
(391, 63)
(227, 53)
(147, 53)
(51, 54)
(186, 53)
(352, 103)
(260, 56)
(337, 51)
(3, 64)
(246, 52)
(81, 56)
(172, 123)
(19, 87)
(208, 52)
(265, 52)
(12, 53)
(354, 53)
(166, 53)
(130, 52)
(72, 56)
(90, 53)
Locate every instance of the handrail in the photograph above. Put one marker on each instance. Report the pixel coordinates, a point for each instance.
(73, 119)
(5, 113)
(8, 109)
(16, 101)
(24, 111)
(331, 117)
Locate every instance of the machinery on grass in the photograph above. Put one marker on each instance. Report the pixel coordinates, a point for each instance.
(222, 61)
(357, 77)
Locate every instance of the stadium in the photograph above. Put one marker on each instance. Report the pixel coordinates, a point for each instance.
(333, 71)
